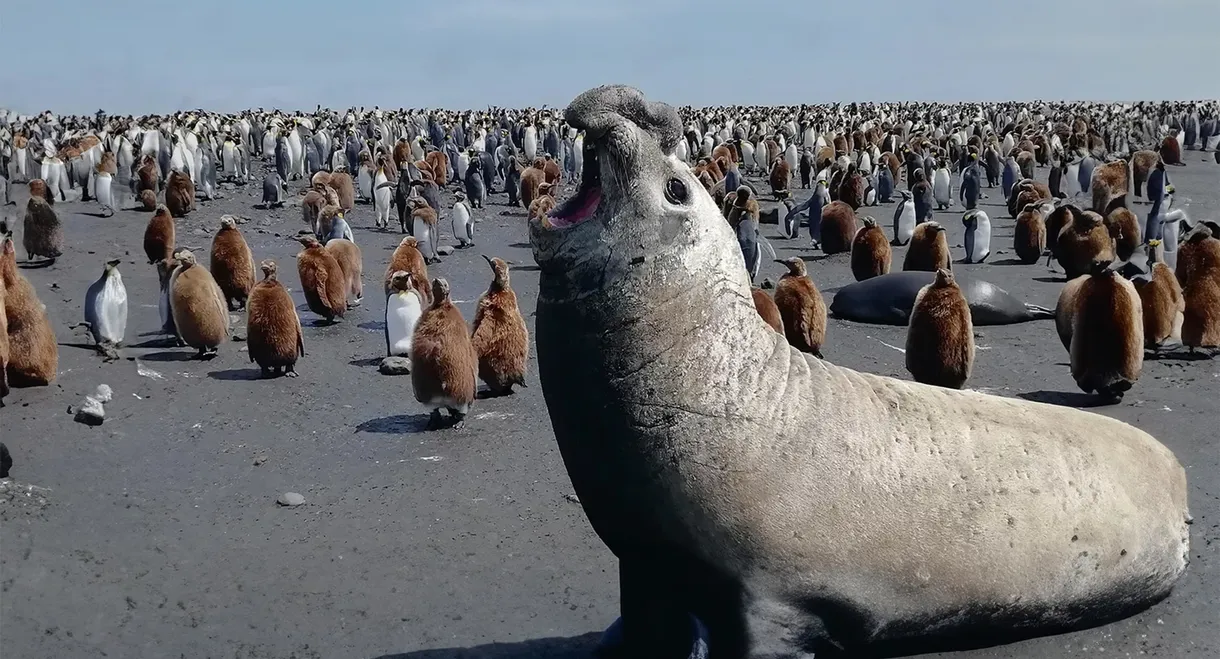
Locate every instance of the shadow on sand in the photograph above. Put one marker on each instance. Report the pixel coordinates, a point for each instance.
(237, 374)
(577, 647)
(1064, 398)
(396, 425)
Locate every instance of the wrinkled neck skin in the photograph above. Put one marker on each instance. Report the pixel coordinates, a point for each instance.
(652, 358)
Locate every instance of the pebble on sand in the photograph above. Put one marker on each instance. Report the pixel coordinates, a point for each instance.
(395, 366)
(290, 499)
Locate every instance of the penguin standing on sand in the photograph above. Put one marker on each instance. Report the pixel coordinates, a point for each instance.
(444, 366)
(940, 335)
(921, 192)
(885, 185)
(801, 307)
(904, 219)
(403, 307)
(978, 236)
(106, 311)
(274, 337)
(462, 221)
(942, 190)
(476, 190)
(1159, 192)
(814, 205)
(971, 184)
(1012, 174)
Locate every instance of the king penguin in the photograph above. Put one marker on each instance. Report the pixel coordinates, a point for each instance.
(814, 205)
(403, 307)
(1012, 173)
(978, 235)
(971, 184)
(904, 218)
(106, 311)
(462, 221)
(885, 185)
(942, 190)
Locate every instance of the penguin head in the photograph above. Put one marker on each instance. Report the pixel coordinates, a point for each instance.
(226, 222)
(269, 268)
(795, 265)
(944, 278)
(500, 269)
(440, 290)
(401, 281)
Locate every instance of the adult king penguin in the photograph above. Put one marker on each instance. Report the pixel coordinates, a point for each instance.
(106, 311)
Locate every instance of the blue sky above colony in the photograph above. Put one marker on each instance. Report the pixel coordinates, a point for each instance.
(143, 56)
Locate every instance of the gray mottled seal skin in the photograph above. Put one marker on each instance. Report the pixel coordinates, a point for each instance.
(887, 300)
(710, 458)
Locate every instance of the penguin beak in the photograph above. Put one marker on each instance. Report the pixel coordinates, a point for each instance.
(113, 263)
(488, 259)
(780, 261)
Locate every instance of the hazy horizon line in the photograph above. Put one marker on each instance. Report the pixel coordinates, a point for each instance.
(549, 106)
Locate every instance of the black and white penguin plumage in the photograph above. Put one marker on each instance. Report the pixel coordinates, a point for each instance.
(106, 310)
(275, 189)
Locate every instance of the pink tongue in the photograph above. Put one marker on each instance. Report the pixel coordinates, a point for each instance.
(581, 214)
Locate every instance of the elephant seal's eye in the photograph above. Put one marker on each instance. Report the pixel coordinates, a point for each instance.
(675, 191)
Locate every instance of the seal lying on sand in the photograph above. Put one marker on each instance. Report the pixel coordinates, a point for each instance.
(887, 300)
(709, 457)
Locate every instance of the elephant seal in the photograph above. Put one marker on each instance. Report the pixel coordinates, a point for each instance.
(887, 300)
(709, 457)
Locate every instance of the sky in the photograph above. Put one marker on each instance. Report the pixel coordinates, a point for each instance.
(143, 56)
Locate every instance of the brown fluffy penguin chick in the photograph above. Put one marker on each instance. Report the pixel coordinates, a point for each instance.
(440, 167)
(148, 177)
(1105, 320)
(345, 189)
(232, 264)
(347, 254)
(928, 249)
(551, 173)
(274, 329)
(802, 308)
(1029, 234)
(531, 177)
(1056, 221)
(1082, 243)
(1201, 322)
(940, 334)
(543, 204)
(765, 306)
(311, 209)
(1171, 151)
(1142, 163)
(744, 205)
(1162, 301)
(781, 178)
(443, 361)
(322, 279)
(499, 335)
(1109, 185)
(33, 355)
(200, 315)
(43, 233)
(147, 200)
(3, 345)
(408, 258)
(179, 194)
(838, 227)
(38, 188)
(159, 236)
(1124, 229)
(851, 190)
(870, 251)
(1199, 245)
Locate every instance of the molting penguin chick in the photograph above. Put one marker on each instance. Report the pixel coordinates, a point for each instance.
(838, 227)
(274, 330)
(1109, 186)
(802, 308)
(744, 205)
(106, 311)
(322, 279)
(940, 334)
(499, 335)
(408, 258)
(780, 178)
(1198, 247)
(33, 355)
(43, 233)
(159, 236)
(766, 308)
(870, 251)
(443, 361)
(179, 194)
(232, 263)
(1161, 299)
(1124, 228)
(1082, 243)
(345, 190)
(1201, 323)
(1100, 320)
(929, 249)
(200, 315)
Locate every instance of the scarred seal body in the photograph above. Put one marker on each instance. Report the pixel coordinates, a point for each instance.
(710, 457)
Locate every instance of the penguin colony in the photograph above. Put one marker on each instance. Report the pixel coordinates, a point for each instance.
(353, 171)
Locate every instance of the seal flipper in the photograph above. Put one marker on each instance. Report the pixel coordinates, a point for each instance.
(1039, 313)
(652, 622)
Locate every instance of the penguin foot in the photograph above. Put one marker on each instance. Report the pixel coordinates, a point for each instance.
(289, 373)
(434, 420)
(612, 645)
